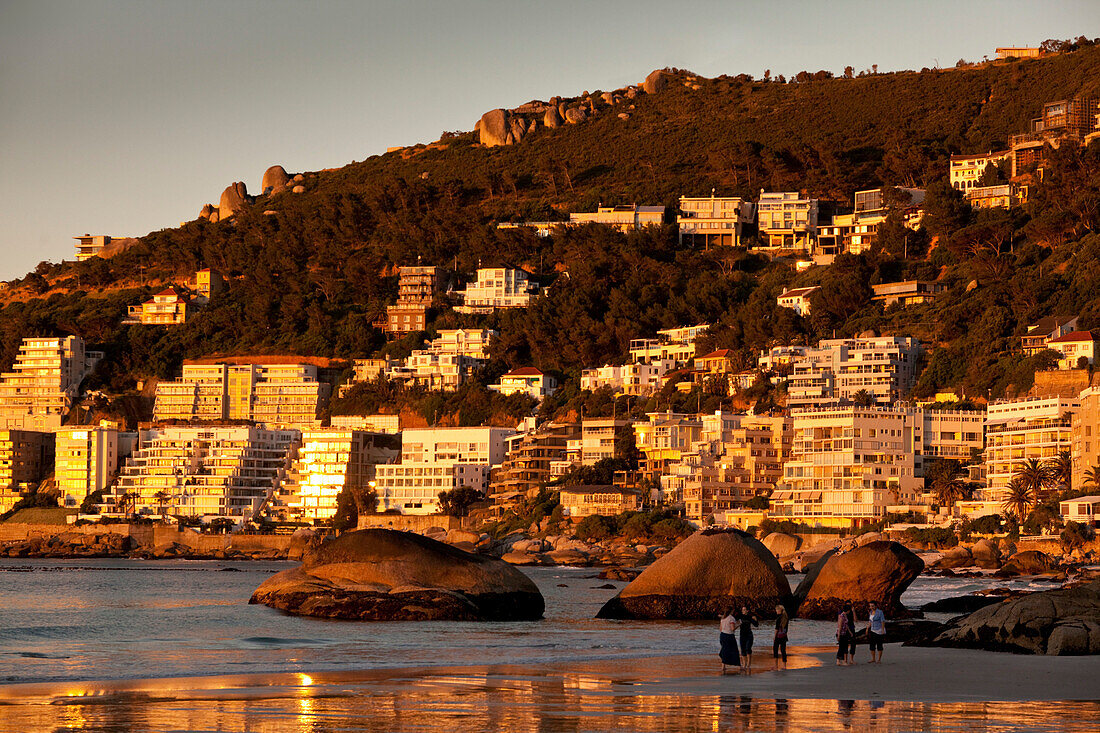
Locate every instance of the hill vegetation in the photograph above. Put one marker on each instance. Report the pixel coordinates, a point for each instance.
(311, 277)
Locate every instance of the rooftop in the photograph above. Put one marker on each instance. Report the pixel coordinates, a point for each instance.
(1074, 336)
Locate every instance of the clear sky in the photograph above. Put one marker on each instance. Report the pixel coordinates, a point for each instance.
(123, 117)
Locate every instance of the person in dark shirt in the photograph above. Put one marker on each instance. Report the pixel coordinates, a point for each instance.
(747, 621)
(779, 644)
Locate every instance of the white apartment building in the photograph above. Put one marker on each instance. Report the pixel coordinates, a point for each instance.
(203, 471)
(674, 344)
(787, 220)
(526, 380)
(596, 442)
(44, 382)
(1073, 347)
(273, 394)
(781, 358)
(434, 460)
(632, 379)
(967, 170)
(847, 466)
(446, 362)
(623, 218)
(369, 423)
(713, 221)
(86, 460)
(1016, 430)
(797, 299)
(26, 457)
(328, 462)
(497, 287)
(90, 245)
(837, 369)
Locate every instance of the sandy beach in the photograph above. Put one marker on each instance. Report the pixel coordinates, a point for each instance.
(914, 688)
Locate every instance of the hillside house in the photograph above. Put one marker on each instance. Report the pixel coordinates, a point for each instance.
(797, 299)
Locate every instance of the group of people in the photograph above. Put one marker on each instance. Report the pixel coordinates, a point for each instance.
(846, 633)
(737, 652)
(736, 638)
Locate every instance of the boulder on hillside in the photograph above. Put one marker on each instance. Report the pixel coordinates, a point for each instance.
(1028, 562)
(782, 545)
(209, 212)
(551, 118)
(494, 128)
(1054, 622)
(385, 575)
(878, 571)
(655, 82)
(576, 115)
(275, 180)
(705, 574)
(234, 198)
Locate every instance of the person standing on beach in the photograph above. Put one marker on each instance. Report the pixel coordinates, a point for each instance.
(747, 622)
(876, 631)
(727, 640)
(779, 644)
(843, 635)
(851, 614)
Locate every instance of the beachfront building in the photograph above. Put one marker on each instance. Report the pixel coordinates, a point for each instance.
(907, 292)
(787, 221)
(86, 460)
(417, 288)
(446, 362)
(497, 287)
(797, 299)
(623, 218)
(26, 457)
(966, 171)
(90, 245)
(328, 462)
(1074, 347)
(434, 460)
(663, 438)
(1083, 510)
(44, 382)
(847, 466)
(883, 367)
(1021, 429)
(578, 502)
(202, 471)
(531, 456)
(527, 381)
(368, 423)
(1047, 329)
(166, 308)
(277, 395)
(713, 221)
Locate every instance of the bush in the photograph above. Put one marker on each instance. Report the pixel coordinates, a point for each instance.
(594, 528)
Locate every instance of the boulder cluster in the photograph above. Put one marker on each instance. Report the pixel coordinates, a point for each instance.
(235, 196)
(70, 544)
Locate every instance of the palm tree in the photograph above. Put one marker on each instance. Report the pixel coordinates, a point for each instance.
(1019, 498)
(1092, 476)
(1061, 470)
(944, 480)
(1036, 475)
(162, 497)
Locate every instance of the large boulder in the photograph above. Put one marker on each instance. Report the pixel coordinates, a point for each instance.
(576, 115)
(275, 180)
(986, 554)
(494, 128)
(956, 557)
(705, 574)
(1054, 622)
(384, 574)
(300, 542)
(878, 571)
(234, 198)
(551, 118)
(1028, 562)
(782, 544)
(655, 82)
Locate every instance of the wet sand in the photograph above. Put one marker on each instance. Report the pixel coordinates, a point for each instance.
(913, 689)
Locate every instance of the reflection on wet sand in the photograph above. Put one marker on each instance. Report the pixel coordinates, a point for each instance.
(503, 698)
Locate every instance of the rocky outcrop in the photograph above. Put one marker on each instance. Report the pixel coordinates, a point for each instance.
(300, 542)
(1028, 562)
(986, 554)
(576, 115)
(782, 545)
(552, 118)
(656, 81)
(384, 574)
(494, 128)
(210, 213)
(1056, 622)
(275, 180)
(234, 198)
(878, 571)
(708, 572)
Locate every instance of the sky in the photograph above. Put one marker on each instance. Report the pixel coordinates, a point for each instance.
(125, 117)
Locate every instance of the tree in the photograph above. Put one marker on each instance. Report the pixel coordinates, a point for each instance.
(863, 398)
(849, 72)
(945, 209)
(1060, 470)
(457, 501)
(162, 497)
(1036, 475)
(1019, 498)
(1092, 476)
(944, 479)
(88, 506)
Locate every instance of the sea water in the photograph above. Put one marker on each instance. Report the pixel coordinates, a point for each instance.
(102, 619)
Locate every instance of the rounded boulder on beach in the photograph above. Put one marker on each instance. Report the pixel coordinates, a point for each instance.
(877, 571)
(705, 574)
(387, 575)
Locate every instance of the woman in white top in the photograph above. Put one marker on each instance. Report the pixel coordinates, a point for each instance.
(727, 640)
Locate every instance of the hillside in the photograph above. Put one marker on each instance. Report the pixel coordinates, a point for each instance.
(310, 277)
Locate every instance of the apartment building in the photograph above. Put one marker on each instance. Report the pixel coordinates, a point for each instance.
(531, 456)
(1085, 436)
(907, 292)
(447, 361)
(527, 381)
(1073, 347)
(598, 441)
(848, 465)
(578, 502)
(1064, 119)
(328, 462)
(1002, 196)
(417, 288)
(203, 471)
(787, 220)
(275, 394)
(90, 245)
(967, 170)
(781, 358)
(672, 344)
(368, 423)
(26, 457)
(497, 287)
(44, 382)
(166, 308)
(1017, 430)
(837, 369)
(1048, 328)
(434, 460)
(87, 459)
(631, 379)
(797, 299)
(623, 218)
(209, 284)
(713, 221)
